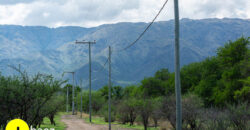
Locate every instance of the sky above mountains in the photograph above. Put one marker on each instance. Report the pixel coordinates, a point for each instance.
(89, 13)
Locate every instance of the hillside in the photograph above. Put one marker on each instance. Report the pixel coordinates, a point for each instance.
(51, 50)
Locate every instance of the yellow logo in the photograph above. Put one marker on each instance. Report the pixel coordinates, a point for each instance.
(17, 124)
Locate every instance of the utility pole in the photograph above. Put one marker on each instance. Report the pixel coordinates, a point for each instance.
(177, 69)
(73, 93)
(76, 105)
(109, 88)
(83, 42)
(81, 98)
(67, 101)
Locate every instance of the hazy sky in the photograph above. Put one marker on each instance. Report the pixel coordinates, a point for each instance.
(88, 13)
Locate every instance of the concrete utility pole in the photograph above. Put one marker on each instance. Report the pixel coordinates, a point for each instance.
(177, 69)
(73, 93)
(83, 42)
(67, 101)
(109, 88)
(76, 107)
(81, 97)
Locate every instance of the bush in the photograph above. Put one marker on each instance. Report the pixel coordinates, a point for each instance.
(104, 112)
(239, 115)
(191, 111)
(128, 110)
(216, 119)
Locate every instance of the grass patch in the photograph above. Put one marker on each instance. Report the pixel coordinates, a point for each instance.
(59, 125)
(96, 120)
(101, 121)
(137, 127)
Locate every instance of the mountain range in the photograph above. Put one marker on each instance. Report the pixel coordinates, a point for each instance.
(53, 50)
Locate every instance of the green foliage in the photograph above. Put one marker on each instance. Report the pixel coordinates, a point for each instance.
(207, 88)
(223, 76)
(98, 101)
(233, 52)
(191, 111)
(70, 89)
(116, 92)
(243, 94)
(152, 87)
(145, 110)
(162, 74)
(127, 110)
(190, 76)
(59, 125)
(239, 115)
(130, 91)
(29, 98)
(104, 112)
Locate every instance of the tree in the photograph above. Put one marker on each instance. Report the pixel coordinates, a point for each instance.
(70, 88)
(152, 87)
(26, 98)
(231, 56)
(156, 110)
(191, 111)
(145, 111)
(211, 73)
(168, 109)
(190, 76)
(97, 101)
(129, 91)
(117, 93)
(162, 74)
(244, 93)
(128, 110)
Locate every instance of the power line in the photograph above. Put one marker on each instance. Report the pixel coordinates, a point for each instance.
(102, 67)
(140, 36)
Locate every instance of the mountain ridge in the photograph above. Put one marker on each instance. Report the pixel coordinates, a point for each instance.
(52, 50)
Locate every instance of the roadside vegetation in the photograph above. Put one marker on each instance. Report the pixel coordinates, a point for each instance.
(58, 124)
(215, 94)
(31, 98)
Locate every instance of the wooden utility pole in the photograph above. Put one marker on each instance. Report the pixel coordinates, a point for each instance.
(177, 69)
(83, 42)
(109, 88)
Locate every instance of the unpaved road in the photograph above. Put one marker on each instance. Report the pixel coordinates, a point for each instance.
(74, 123)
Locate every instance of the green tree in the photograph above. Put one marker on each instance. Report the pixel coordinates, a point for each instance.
(190, 76)
(162, 74)
(231, 56)
(152, 87)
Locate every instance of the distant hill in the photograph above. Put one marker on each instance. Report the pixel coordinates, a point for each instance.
(52, 50)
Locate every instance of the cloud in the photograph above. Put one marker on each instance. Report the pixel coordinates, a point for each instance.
(9, 2)
(88, 13)
(217, 9)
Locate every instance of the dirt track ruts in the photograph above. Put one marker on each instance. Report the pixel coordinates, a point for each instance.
(75, 123)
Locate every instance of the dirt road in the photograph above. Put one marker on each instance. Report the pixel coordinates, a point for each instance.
(74, 123)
